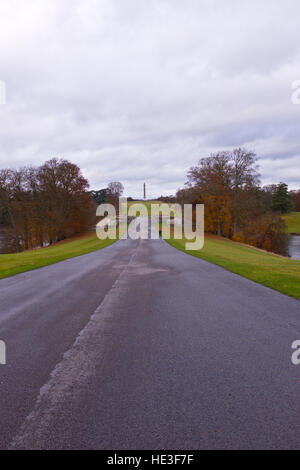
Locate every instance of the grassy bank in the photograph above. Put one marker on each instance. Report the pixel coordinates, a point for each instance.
(293, 222)
(28, 260)
(281, 274)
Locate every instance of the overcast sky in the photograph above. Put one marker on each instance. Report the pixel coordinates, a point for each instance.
(140, 90)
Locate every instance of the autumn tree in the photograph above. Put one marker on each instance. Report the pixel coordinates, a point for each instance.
(295, 195)
(211, 180)
(244, 180)
(227, 183)
(61, 184)
(46, 204)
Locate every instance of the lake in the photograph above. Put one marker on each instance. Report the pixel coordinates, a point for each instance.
(294, 247)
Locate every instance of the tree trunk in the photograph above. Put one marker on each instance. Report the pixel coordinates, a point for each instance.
(15, 231)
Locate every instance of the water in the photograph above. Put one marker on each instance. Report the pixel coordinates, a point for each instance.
(294, 247)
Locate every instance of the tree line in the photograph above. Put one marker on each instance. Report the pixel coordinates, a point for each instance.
(295, 195)
(109, 195)
(236, 206)
(43, 205)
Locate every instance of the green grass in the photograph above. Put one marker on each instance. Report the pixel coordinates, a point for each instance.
(281, 274)
(145, 203)
(16, 263)
(148, 204)
(293, 222)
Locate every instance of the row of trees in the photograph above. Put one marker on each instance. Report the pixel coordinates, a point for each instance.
(43, 205)
(236, 206)
(279, 198)
(109, 195)
(295, 195)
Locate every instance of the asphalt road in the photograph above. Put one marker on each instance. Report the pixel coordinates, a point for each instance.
(140, 346)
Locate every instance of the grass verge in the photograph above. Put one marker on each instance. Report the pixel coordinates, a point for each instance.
(276, 272)
(16, 263)
(293, 222)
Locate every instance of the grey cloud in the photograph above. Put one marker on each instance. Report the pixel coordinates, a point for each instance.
(139, 91)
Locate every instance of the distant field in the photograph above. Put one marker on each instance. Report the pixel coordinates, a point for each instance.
(28, 260)
(281, 274)
(293, 222)
(147, 204)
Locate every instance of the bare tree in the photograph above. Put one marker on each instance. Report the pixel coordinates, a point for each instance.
(115, 189)
(114, 192)
(10, 189)
(245, 177)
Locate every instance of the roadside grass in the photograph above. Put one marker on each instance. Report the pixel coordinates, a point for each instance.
(276, 272)
(293, 222)
(148, 204)
(16, 263)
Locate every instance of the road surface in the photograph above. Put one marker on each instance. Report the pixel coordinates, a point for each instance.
(140, 346)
